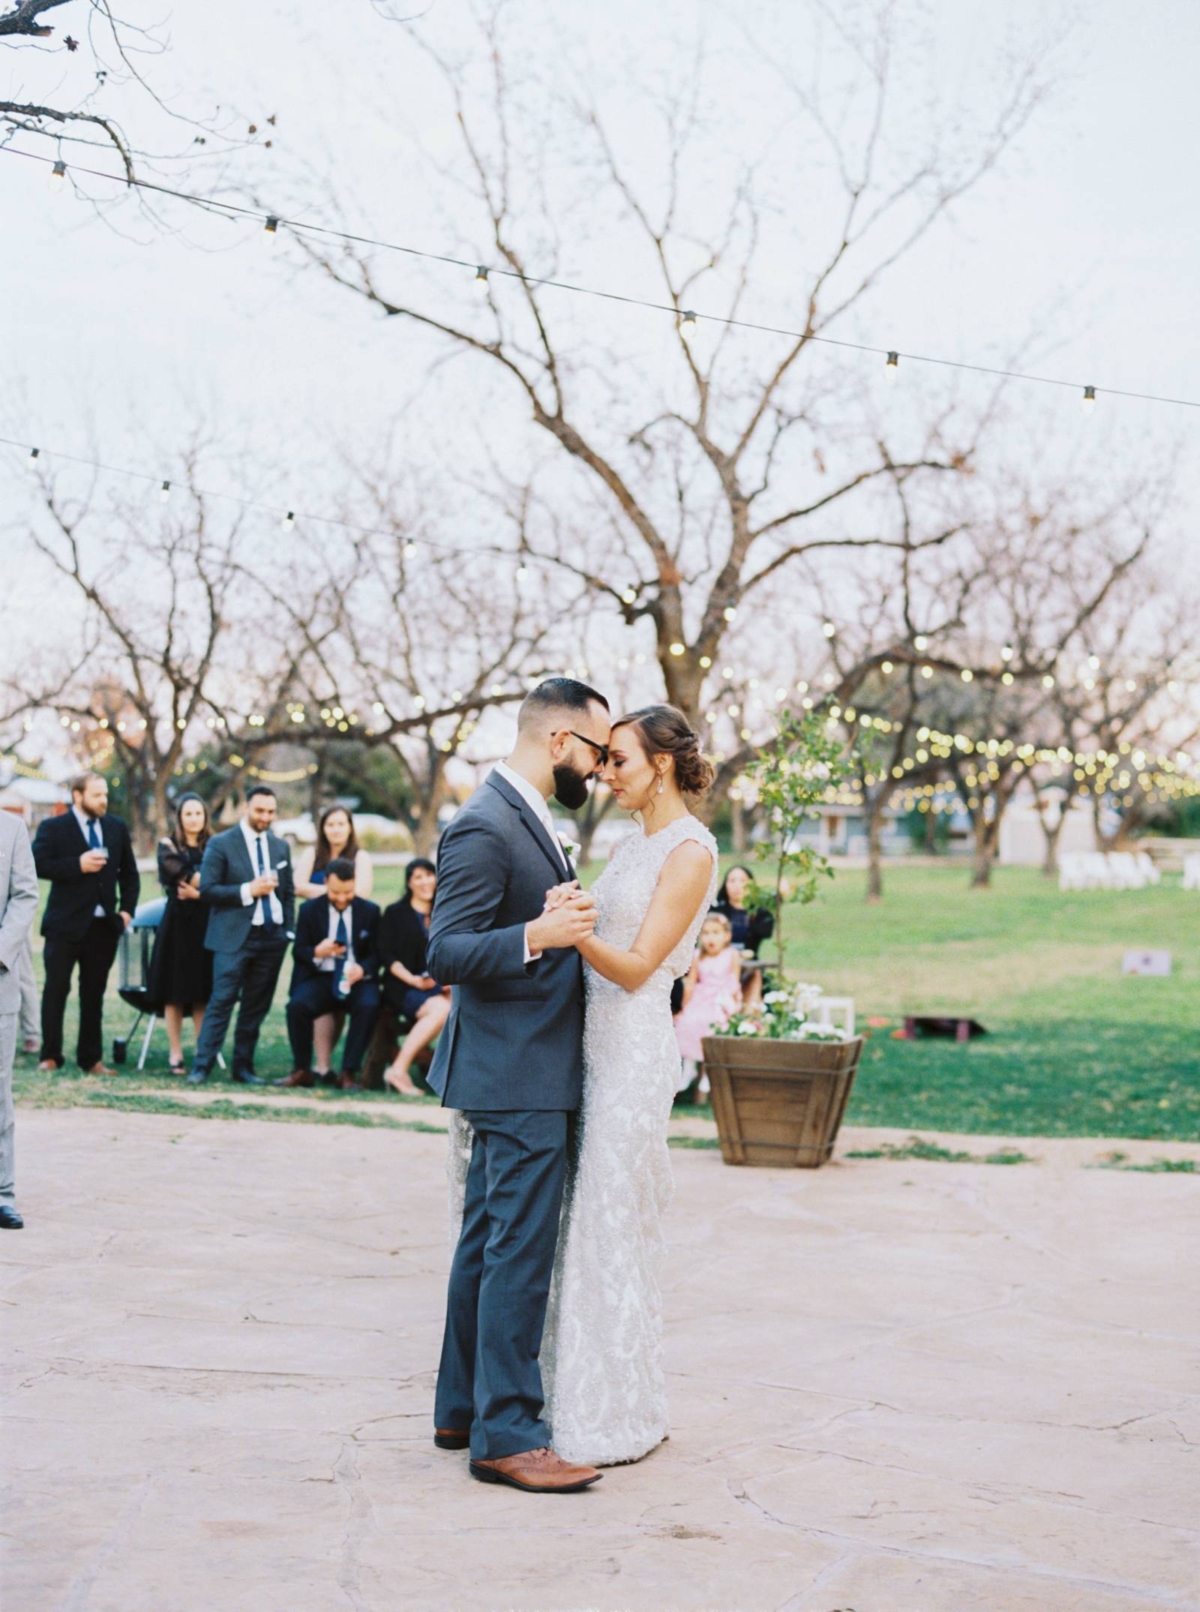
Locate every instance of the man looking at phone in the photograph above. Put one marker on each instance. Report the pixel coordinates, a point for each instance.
(246, 881)
(88, 858)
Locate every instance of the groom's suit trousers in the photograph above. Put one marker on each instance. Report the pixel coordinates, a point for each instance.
(489, 1378)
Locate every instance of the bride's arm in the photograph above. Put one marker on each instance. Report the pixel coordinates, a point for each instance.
(681, 888)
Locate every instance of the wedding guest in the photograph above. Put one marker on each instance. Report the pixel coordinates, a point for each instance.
(751, 926)
(335, 838)
(181, 967)
(335, 967)
(246, 887)
(18, 907)
(88, 858)
(712, 994)
(407, 984)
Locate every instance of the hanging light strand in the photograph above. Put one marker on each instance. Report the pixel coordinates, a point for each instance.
(484, 274)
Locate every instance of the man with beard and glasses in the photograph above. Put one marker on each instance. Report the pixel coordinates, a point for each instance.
(511, 1059)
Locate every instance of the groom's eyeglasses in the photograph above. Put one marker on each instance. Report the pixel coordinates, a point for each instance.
(600, 749)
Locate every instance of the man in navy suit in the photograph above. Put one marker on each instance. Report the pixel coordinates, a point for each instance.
(246, 882)
(336, 968)
(511, 1059)
(94, 885)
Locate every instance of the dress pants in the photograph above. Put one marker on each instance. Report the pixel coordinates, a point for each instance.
(249, 973)
(8, 1047)
(489, 1378)
(313, 997)
(94, 952)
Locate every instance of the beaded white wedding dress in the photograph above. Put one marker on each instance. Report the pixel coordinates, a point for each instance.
(602, 1355)
(602, 1352)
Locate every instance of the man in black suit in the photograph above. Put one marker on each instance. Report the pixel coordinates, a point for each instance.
(94, 884)
(246, 881)
(336, 967)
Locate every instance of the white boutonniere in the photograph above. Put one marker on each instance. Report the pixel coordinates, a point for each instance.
(571, 848)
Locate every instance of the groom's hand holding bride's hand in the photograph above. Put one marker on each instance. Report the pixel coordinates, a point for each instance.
(569, 917)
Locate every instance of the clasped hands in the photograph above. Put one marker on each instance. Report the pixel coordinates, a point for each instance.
(568, 917)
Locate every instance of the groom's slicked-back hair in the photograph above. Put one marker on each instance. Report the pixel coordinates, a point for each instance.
(556, 694)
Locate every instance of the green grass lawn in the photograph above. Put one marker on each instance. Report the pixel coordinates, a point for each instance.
(1074, 1048)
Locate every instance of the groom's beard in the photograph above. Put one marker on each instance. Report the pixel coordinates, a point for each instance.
(570, 790)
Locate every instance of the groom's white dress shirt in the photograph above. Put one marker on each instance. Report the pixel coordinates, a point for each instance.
(536, 801)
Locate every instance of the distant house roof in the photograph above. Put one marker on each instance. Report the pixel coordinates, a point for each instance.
(34, 792)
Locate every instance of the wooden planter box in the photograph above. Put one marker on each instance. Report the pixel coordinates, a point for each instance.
(779, 1102)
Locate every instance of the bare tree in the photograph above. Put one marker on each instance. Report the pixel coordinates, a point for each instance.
(708, 483)
(85, 78)
(151, 590)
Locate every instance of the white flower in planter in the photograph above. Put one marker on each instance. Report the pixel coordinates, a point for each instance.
(747, 1027)
(772, 997)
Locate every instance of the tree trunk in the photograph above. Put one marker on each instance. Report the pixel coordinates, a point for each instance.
(875, 849)
(981, 876)
(737, 816)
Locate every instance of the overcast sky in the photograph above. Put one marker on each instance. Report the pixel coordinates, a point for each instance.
(121, 335)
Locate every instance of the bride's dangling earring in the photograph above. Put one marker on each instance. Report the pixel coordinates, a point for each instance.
(660, 784)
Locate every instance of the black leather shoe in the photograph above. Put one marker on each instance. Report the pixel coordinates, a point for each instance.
(10, 1220)
(197, 1077)
(241, 1078)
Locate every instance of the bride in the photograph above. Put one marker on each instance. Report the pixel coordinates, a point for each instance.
(602, 1352)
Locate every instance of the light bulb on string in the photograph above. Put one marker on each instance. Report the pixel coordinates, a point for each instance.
(1089, 399)
(1006, 654)
(410, 548)
(164, 492)
(891, 366)
(270, 227)
(34, 455)
(289, 521)
(829, 629)
(481, 280)
(687, 324)
(58, 175)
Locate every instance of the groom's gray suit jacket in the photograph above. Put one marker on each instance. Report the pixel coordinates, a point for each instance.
(514, 1040)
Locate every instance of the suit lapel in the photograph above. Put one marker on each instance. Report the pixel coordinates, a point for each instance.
(531, 821)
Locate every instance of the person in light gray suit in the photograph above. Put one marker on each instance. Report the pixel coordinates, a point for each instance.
(511, 1059)
(18, 906)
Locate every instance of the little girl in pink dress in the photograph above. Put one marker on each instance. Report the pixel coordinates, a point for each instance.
(712, 993)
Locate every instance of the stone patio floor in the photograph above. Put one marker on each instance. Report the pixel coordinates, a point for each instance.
(896, 1387)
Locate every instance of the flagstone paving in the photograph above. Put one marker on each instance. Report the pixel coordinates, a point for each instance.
(897, 1386)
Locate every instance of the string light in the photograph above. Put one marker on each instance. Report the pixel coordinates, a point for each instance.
(481, 280)
(829, 629)
(164, 492)
(58, 175)
(289, 521)
(891, 366)
(920, 641)
(1089, 399)
(687, 324)
(892, 358)
(1006, 654)
(34, 455)
(270, 227)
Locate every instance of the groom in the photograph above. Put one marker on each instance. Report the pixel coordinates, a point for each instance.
(511, 1058)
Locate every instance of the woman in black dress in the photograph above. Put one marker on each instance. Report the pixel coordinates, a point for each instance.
(751, 926)
(403, 937)
(181, 967)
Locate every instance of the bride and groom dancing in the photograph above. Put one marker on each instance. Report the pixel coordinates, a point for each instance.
(561, 1063)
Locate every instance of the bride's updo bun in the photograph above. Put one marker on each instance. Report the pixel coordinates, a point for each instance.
(664, 731)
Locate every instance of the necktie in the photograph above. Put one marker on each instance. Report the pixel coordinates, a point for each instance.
(94, 840)
(339, 963)
(264, 902)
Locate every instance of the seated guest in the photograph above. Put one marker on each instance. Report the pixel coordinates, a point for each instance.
(335, 968)
(335, 838)
(181, 968)
(88, 858)
(409, 988)
(751, 926)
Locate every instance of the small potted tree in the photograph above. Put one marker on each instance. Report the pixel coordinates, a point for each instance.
(780, 1080)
